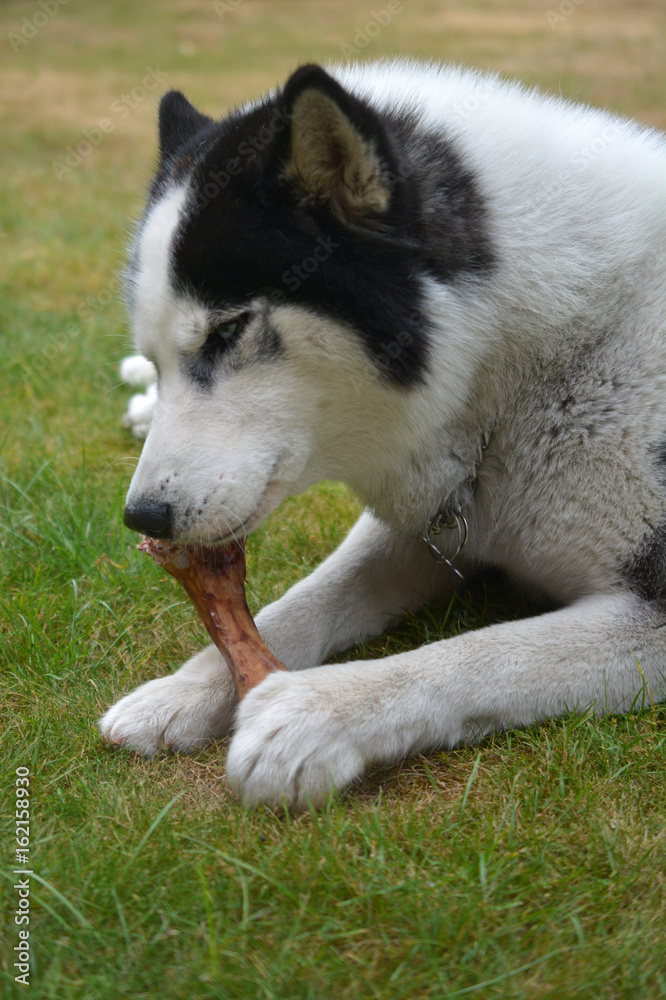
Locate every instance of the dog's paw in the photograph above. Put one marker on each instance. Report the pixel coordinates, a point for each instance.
(294, 743)
(177, 713)
(137, 370)
(140, 411)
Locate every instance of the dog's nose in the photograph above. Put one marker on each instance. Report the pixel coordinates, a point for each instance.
(149, 517)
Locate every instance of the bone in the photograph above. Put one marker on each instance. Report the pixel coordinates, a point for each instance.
(214, 579)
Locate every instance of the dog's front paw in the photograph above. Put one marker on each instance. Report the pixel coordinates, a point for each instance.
(294, 743)
(140, 411)
(179, 713)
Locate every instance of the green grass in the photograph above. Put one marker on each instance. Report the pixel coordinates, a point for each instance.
(529, 867)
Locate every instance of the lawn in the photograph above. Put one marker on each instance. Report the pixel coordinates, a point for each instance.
(529, 867)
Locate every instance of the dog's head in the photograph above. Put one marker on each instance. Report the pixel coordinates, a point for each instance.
(275, 283)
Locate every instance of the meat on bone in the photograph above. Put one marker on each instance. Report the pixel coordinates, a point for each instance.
(214, 579)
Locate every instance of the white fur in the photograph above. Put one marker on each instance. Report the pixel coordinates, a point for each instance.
(299, 735)
(561, 354)
(137, 370)
(182, 712)
(140, 411)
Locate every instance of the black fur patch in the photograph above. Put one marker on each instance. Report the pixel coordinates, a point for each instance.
(221, 337)
(646, 571)
(178, 123)
(246, 234)
(451, 227)
(201, 366)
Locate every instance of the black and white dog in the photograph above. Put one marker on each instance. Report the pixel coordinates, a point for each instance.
(449, 293)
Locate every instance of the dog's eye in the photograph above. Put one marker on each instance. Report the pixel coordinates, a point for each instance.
(222, 335)
(221, 338)
(225, 331)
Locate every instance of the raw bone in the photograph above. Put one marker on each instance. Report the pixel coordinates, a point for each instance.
(214, 579)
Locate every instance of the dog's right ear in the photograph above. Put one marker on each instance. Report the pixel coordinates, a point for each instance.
(179, 122)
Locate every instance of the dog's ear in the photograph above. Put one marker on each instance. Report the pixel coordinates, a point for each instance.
(335, 151)
(179, 122)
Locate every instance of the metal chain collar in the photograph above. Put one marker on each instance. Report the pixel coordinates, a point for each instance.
(453, 519)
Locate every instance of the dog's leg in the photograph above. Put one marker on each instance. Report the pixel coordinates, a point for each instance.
(364, 586)
(182, 711)
(298, 736)
(356, 592)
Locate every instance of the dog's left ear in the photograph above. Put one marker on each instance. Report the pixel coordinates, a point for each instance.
(178, 123)
(335, 151)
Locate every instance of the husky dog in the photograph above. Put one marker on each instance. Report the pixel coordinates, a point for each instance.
(449, 293)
